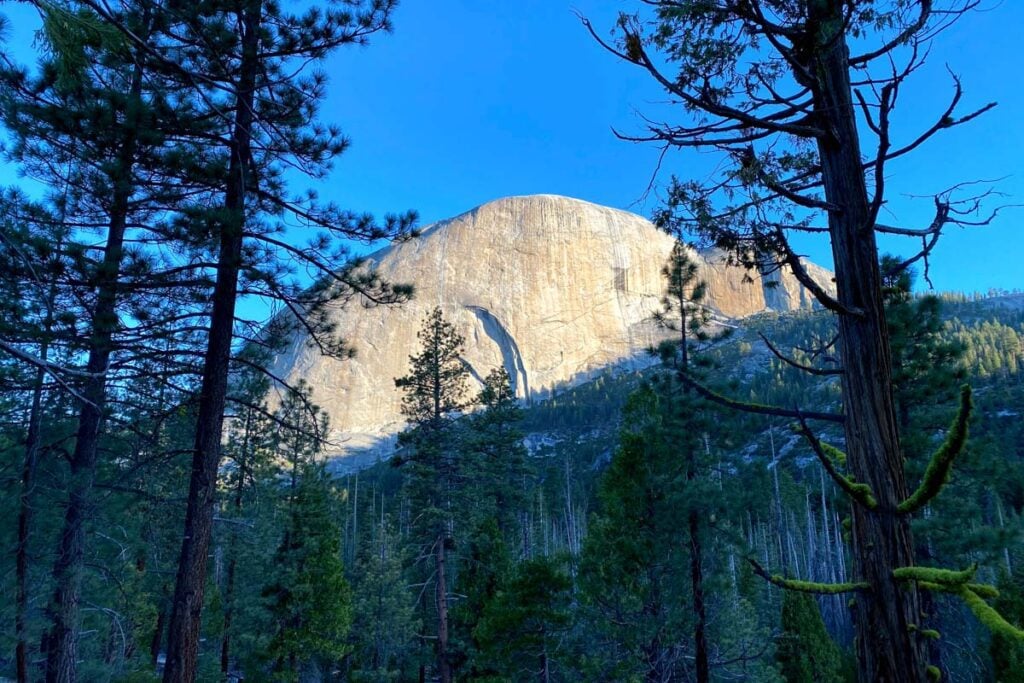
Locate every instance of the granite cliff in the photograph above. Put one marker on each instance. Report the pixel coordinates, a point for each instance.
(555, 289)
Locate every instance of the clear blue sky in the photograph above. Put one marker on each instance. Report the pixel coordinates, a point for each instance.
(469, 101)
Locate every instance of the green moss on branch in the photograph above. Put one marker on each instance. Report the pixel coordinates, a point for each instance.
(829, 456)
(941, 463)
(834, 454)
(806, 586)
(932, 575)
(988, 616)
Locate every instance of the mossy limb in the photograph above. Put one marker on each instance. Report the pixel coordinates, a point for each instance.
(988, 616)
(806, 586)
(933, 575)
(834, 453)
(941, 463)
(816, 587)
(984, 590)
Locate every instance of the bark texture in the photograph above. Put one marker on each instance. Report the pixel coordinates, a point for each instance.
(888, 650)
(186, 610)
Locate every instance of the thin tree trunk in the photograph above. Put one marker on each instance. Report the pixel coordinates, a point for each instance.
(158, 634)
(61, 661)
(699, 609)
(701, 666)
(183, 640)
(28, 474)
(441, 594)
(229, 588)
(780, 524)
(888, 649)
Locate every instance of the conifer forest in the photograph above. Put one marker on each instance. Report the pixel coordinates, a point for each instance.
(825, 486)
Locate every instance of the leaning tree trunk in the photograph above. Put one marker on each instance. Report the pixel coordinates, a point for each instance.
(888, 648)
(187, 607)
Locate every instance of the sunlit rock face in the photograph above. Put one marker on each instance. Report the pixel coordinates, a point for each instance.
(554, 289)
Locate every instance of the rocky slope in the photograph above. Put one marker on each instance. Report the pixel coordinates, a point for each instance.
(555, 289)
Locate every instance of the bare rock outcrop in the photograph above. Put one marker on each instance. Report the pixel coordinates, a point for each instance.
(555, 289)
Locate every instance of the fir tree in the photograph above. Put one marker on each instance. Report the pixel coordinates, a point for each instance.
(485, 564)
(804, 650)
(310, 598)
(634, 561)
(683, 308)
(926, 366)
(249, 449)
(1007, 652)
(523, 627)
(685, 312)
(497, 469)
(384, 624)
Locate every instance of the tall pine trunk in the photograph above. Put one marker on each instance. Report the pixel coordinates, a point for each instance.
(187, 606)
(68, 568)
(888, 649)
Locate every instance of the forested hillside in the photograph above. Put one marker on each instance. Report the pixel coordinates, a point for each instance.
(566, 552)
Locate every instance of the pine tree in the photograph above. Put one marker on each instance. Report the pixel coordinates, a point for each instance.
(36, 318)
(435, 392)
(246, 66)
(92, 107)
